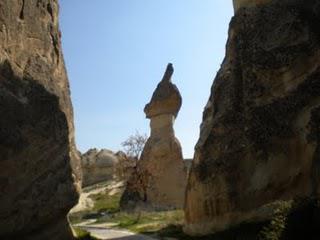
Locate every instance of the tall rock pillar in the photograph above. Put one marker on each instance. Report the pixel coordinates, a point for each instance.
(161, 176)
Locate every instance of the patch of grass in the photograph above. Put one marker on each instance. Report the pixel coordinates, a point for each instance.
(105, 203)
(106, 209)
(81, 234)
(95, 186)
(144, 221)
(154, 221)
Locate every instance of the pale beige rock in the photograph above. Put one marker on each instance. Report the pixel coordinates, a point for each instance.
(98, 166)
(160, 178)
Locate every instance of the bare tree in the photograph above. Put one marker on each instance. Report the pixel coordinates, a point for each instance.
(134, 145)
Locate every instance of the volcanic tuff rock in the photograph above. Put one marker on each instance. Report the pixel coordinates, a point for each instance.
(98, 166)
(237, 4)
(166, 99)
(160, 176)
(38, 161)
(259, 138)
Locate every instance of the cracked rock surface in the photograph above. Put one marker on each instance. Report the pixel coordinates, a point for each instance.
(259, 139)
(39, 166)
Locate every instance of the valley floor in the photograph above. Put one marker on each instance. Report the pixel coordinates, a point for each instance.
(99, 216)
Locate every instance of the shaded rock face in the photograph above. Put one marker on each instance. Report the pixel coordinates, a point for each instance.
(237, 4)
(39, 171)
(187, 164)
(259, 138)
(160, 176)
(98, 166)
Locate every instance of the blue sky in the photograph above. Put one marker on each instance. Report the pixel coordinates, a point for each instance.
(116, 52)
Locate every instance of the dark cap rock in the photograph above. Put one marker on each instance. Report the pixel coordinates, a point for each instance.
(166, 99)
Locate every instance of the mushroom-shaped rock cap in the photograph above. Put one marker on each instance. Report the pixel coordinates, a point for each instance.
(166, 99)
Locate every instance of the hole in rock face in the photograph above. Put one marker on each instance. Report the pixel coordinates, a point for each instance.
(21, 15)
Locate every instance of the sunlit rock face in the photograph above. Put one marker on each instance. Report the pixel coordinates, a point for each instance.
(39, 167)
(160, 178)
(98, 166)
(259, 139)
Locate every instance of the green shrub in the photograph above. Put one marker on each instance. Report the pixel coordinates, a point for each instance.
(274, 230)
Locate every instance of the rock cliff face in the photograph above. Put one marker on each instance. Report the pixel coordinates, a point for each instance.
(38, 161)
(237, 4)
(160, 177)
(98, 166)
(259, 138)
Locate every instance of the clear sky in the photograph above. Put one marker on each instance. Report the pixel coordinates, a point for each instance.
(116, 52)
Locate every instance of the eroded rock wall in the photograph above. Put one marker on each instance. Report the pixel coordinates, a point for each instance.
(39, 167)
(98, 166)
(259, 138)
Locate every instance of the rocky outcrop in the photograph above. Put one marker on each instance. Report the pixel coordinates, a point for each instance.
(98, 166)
(237, 4)
(259, 138)
(160, 176)
(38, 161)
(126, 166)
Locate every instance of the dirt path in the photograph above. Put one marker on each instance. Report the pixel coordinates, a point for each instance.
(85, 202)
(105, 233)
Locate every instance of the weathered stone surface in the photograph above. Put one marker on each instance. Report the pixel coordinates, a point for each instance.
(38, 161)
(166, 99)
(98, 166)
(126, 166)
(259, 138)
(237, 4)
(160, 176)
(187, 164)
